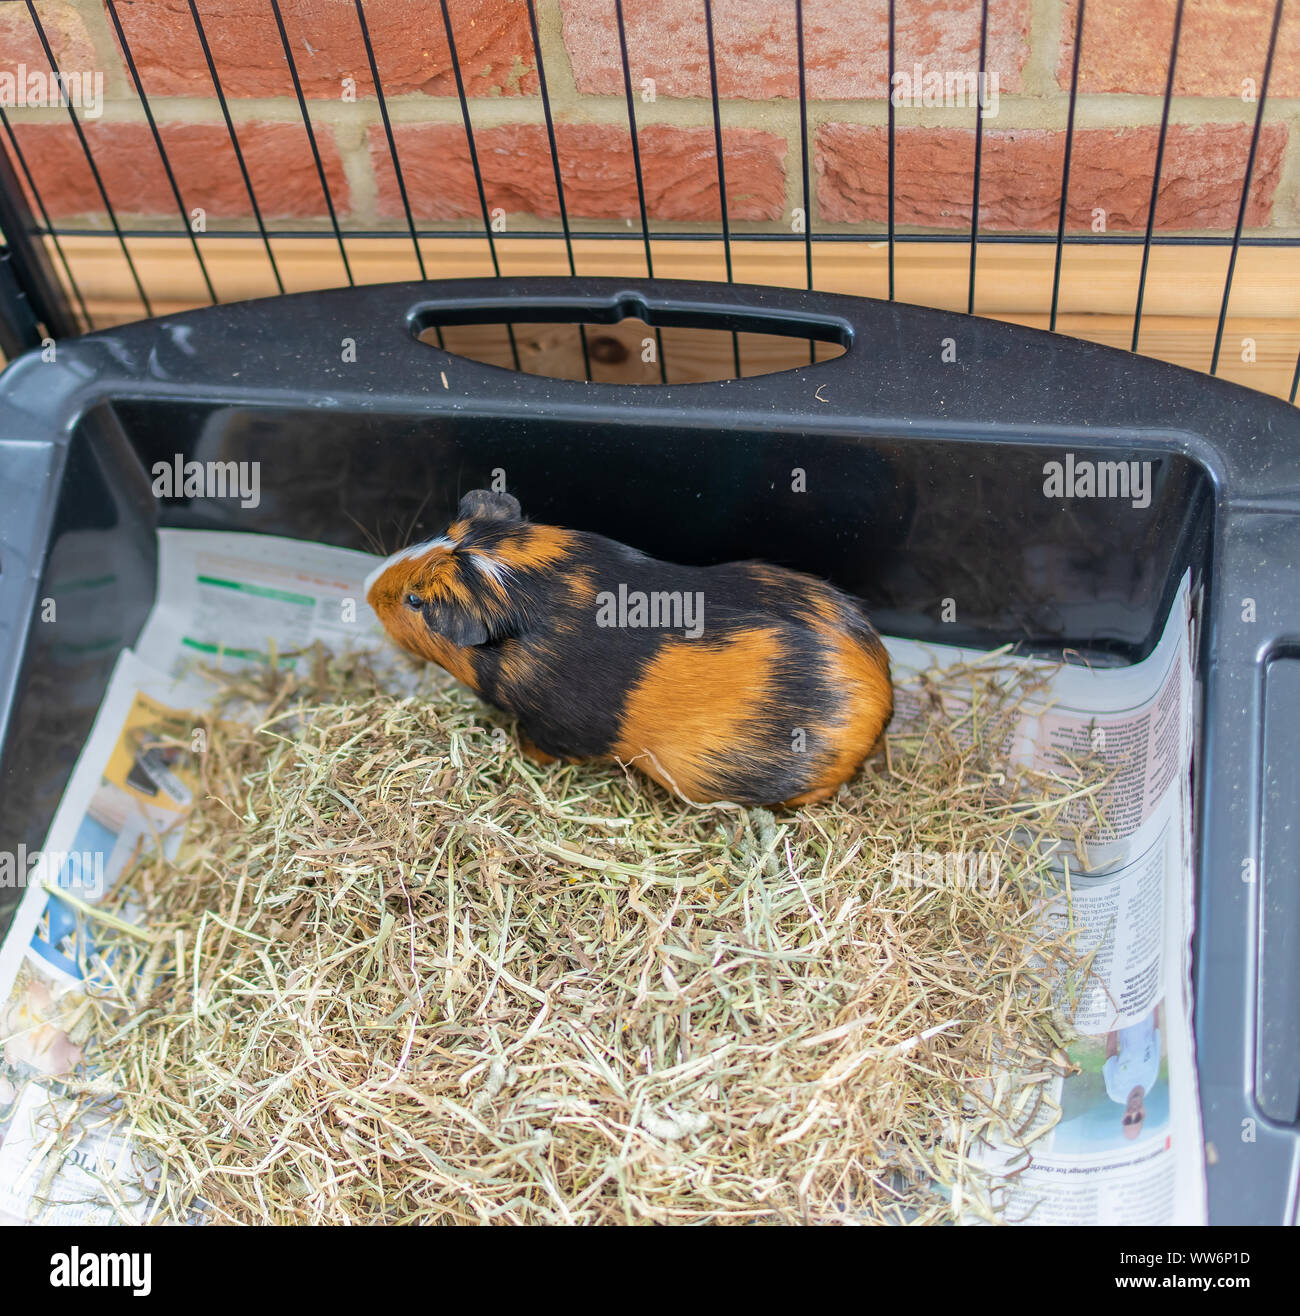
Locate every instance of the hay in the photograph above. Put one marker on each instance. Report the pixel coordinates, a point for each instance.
(398, 973)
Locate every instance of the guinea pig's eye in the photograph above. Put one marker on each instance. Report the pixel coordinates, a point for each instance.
(414, 601)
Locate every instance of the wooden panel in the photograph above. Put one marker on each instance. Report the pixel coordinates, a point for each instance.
(628, 353)
(1098, 291)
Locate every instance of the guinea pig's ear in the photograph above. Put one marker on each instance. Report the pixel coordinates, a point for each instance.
(456, 622)
(485, 504)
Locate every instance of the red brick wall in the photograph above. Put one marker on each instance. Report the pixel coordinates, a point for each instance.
(1122, 70)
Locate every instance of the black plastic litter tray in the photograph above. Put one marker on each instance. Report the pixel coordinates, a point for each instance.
(924, 448)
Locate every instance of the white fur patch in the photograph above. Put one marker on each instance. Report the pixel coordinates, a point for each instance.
(414, 551)
(489, 566)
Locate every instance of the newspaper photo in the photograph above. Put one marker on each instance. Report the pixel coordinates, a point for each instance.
(1112, 1137)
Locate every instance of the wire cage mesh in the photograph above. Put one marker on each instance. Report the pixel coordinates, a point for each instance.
(1118, 172)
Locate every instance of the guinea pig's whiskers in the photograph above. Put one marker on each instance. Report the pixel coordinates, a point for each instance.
(415, 519)
(372, 540)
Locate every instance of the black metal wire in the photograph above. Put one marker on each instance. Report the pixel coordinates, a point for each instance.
(1155, 180)
(234, 142)
(889, 98)
(555, 164)
(803, 153)
(311, 140)
(636, 164)
(49, 230)
(1245, 186)
(473, 159)
(34, 305)
(1065, 164)
(388, 132)
(605, 235)
(632, 128)
(90, 160)
(979, 145)
(722, 172)
(382, 101)
(162, 151)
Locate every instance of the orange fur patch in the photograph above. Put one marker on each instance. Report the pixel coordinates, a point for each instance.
(535, 546)
(409, 630)
(863, 676)
(694, 702)
(388, 598)
(517, 668)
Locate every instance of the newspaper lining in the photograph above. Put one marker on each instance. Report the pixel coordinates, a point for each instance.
(1124, 1144)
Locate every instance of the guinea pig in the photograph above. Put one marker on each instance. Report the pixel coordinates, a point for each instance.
(743, 682)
